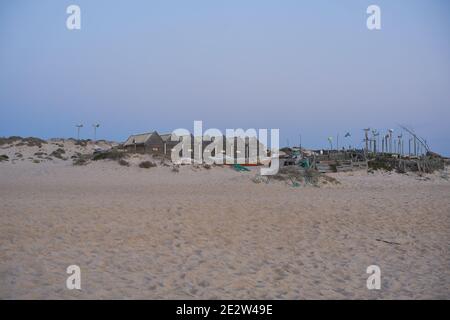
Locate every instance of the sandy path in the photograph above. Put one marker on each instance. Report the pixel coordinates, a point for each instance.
(156, 234)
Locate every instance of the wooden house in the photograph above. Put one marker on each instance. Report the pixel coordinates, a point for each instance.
(145, 143)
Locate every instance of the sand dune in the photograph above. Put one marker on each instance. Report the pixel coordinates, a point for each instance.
(215, 234)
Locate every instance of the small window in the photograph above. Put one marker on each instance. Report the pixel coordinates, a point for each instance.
(155, 149)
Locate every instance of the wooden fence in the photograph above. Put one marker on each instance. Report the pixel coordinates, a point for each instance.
(327, 166)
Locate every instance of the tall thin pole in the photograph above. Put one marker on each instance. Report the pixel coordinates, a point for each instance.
(95, 131)
(79, 126)
(378, 143)
(390, 142)
(366, 138)
(409, 146)
(415, 147)
(330, 140)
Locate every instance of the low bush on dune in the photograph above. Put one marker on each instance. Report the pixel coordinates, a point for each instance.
(295, 176)
(147, 164)
(124, 163)
(58, 153)
(34, 142)
(428, 164)
(82, 143)
(328, 179)
(40, 154)
(112, 154)
(79, 162)
(381, 164)
(81, 159)
(4, 157)
(164, 163)
(9, 140)
(30, 141)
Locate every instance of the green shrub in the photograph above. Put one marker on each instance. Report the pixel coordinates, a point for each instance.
(9, 140)
(80, 162)
(58, 153)
(40, 154)
(34, 142)
(110, 154)
(147, 164)
(82, 143)
(381, 164)
(81, 159)
(124, 163)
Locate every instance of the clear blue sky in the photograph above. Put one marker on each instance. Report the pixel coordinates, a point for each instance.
(309, 67)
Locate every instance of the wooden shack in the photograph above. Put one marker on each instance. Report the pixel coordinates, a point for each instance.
(145, 143)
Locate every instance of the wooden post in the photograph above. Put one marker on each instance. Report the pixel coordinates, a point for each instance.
(415, 146)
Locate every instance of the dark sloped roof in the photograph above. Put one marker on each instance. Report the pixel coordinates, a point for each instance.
(138, 138)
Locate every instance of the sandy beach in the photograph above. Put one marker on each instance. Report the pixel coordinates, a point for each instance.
(215, 234)
(116, 118)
